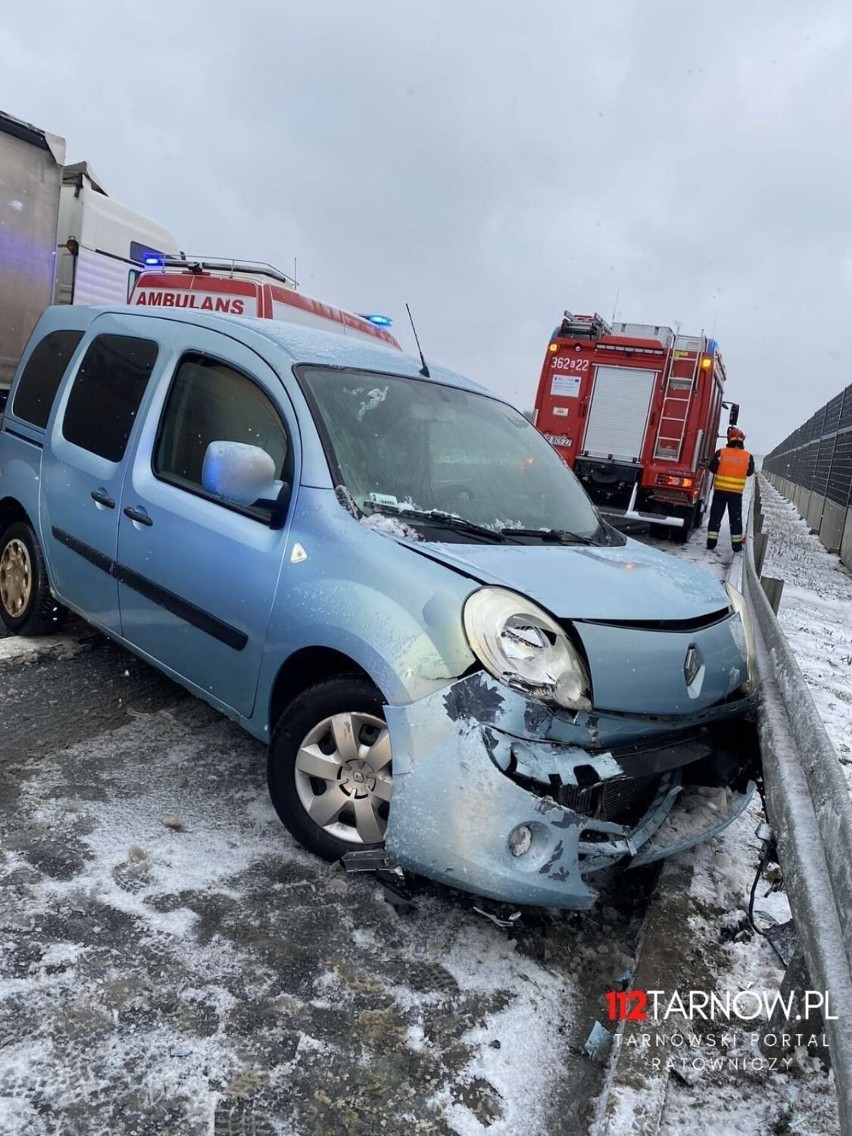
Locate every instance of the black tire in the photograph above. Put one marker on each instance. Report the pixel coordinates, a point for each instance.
(692, 521)
(26, 604)
(351, 697)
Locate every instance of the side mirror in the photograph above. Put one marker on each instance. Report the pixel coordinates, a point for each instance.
(239, 473)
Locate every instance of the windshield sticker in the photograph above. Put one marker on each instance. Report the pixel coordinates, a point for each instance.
(383, 499)
(376, 396)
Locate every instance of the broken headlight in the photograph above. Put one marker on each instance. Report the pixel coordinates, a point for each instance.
(525, 648)
(739, 607)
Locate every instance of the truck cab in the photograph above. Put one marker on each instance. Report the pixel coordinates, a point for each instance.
(102, 246)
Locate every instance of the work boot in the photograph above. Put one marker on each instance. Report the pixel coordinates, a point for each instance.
(738, 548)
(711, 545)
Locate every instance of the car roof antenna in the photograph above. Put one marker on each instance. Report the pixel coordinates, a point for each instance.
(424, 370)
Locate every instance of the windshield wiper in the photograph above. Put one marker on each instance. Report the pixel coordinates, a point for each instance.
(556, 536)
(439, 519)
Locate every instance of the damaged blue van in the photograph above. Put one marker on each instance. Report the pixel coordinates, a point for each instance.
(391, 578)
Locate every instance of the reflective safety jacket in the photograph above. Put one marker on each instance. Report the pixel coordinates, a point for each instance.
(731, 465)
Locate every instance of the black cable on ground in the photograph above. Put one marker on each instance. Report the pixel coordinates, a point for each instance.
(769, 854)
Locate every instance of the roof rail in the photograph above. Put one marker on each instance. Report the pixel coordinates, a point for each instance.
(230, 267)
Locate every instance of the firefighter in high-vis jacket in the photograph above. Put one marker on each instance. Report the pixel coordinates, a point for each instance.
(732, 465)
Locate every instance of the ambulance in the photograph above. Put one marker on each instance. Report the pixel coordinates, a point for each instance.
(247, 288)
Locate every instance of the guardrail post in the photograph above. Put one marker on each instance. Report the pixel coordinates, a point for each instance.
(794, 1022)
(761, 540)
(773, 588)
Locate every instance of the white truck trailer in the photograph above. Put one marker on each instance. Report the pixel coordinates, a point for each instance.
(63, 240)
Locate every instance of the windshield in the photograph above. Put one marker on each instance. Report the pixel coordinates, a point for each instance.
(418, 447)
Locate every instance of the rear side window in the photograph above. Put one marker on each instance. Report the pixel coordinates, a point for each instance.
(42, 375)
(106, 394)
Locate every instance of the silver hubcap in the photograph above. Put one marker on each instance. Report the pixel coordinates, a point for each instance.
(343, 777)
(16, 577)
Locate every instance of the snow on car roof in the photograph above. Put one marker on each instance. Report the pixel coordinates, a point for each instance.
(310, 345)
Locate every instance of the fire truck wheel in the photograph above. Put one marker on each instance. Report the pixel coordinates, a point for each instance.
(692, 521)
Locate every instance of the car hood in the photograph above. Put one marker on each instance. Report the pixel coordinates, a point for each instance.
(630, 582)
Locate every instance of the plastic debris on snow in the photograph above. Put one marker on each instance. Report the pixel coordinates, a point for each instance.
(597, 1044)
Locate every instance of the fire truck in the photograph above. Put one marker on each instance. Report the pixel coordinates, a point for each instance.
(634, 409)
(247, 288)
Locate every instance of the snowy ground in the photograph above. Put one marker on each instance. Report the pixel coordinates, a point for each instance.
(170, 963)
(815, 613)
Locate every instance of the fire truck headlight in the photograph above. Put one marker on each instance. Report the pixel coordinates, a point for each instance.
(523, 647)
(739, 607)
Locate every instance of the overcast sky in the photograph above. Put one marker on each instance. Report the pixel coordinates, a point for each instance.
(490, 162)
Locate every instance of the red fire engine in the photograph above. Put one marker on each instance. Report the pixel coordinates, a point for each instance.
(634, 409)
(246, 288)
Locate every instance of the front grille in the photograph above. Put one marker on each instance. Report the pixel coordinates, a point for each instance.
(623, 800)
(698, 623)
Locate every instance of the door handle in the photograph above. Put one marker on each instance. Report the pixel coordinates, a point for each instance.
(103, 498)
(138, 515)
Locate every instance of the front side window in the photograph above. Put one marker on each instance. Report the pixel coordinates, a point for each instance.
(396, 441)
(210, 401)
(107, 392)
(42, 375)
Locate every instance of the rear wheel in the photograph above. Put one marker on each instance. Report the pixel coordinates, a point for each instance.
(26, 605)
(691, 521)
(329, 768)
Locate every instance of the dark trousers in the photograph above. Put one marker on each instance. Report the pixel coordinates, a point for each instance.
(733, 502)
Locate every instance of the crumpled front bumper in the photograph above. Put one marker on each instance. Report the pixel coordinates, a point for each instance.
(476, 763)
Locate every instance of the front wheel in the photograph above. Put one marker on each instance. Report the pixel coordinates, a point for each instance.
(26, 605)
(329, 767)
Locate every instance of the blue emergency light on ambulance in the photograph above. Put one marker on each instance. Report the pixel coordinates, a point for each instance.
(377, 319)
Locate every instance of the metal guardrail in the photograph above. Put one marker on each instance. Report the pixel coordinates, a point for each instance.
(809, 810)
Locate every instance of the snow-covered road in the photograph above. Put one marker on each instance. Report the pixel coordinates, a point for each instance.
(172, 963)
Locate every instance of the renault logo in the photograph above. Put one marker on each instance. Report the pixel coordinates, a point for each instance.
(691, 664)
